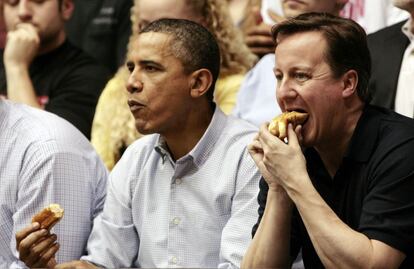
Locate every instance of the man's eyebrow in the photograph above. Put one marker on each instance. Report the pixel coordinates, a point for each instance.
(150, 62)
(147, 62)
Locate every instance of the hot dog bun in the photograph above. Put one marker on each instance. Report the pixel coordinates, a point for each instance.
(49, 216)
(278, 126)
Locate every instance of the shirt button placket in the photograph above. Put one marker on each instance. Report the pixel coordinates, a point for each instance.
(174, 231)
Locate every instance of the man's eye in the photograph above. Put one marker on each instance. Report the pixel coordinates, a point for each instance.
(301, 76)
(279, 77)
(150, 68)
(130, 67)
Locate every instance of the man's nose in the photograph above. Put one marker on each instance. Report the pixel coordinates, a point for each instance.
(25, 11)
(134, 83)
(285, 90)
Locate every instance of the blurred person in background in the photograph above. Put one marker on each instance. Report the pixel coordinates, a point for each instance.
(261, 15)
(392, 51)
(41, 68)
(102, 29)
(373, 15)
(238, 10)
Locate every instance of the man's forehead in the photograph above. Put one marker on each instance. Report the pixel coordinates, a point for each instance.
(302, 47)
(152, 46)
(302, 38)
(151, 43)
(160, 39)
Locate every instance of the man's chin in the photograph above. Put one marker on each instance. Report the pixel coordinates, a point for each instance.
(142, 129)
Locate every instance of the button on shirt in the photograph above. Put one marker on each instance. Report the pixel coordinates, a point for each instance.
(404, 100)
(195, 212)
(43, 160)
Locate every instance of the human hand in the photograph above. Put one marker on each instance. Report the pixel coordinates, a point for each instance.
(258, 37)
(283, 163)
(37, 247)
(76, 265)
(22, 45)
(256, 152)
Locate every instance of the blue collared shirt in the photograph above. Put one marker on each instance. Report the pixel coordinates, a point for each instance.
(195, 212)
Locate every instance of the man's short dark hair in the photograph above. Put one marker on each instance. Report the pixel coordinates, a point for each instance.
(346, 40)
(192, 44)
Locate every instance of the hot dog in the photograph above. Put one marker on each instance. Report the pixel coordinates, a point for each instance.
(49, 216)
(278, 126)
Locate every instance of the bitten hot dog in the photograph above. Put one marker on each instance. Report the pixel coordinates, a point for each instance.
(278, 126)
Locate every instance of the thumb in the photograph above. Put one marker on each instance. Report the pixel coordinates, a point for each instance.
(258, 19)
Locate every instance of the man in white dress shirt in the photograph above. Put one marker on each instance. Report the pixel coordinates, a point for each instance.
(185, 194)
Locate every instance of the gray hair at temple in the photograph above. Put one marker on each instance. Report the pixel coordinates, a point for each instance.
(192, 44)
(346, 43)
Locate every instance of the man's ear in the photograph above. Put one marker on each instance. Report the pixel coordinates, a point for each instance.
(200, 82)
(66, 8)
(350, 82)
